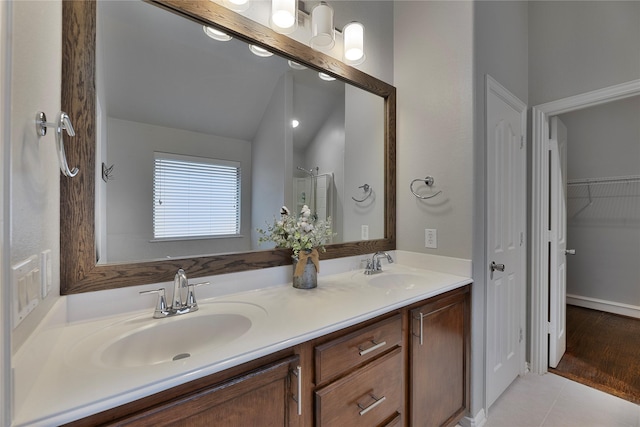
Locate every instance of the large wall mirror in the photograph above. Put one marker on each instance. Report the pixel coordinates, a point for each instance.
(143, 82)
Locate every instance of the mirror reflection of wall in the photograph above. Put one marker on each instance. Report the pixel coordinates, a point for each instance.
(164, 86)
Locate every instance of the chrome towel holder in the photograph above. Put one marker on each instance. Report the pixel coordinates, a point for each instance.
(368, 192)
(62, 122)
(428, 181)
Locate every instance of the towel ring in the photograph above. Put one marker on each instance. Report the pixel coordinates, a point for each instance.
(429, 182)
(62, 122)
(368, 191)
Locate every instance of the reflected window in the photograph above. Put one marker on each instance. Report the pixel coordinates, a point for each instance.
(195, 197)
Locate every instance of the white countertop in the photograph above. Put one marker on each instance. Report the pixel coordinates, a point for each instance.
(71, 385)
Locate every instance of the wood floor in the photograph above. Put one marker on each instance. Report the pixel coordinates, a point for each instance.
(603, 352)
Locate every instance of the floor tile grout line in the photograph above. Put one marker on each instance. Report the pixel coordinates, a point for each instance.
(555, 400)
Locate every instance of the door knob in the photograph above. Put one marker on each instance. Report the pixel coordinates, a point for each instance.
(570, 252)
(493, 266)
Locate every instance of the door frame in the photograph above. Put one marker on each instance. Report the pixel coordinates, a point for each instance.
(540, 115)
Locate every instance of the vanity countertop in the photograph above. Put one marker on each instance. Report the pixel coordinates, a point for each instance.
(71, 385)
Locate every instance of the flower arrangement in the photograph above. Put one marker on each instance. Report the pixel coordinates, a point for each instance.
(300, 234)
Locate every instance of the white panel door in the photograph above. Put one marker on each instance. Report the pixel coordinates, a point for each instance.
(506, 250)
(558, 228)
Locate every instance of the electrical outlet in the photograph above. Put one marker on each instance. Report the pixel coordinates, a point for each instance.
(364, 232)
(430, 238)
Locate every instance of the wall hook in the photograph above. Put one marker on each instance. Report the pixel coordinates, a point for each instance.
(107, 172)
(63, 122)
(368, 192)
(429, 182)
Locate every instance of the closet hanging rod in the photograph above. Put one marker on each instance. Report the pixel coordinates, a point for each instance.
(605, 180)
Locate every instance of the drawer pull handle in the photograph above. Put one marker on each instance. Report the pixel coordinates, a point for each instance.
(373, 405)
(298, 399)
(373, 348)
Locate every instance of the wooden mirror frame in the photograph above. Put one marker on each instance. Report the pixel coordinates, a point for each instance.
(78, 269)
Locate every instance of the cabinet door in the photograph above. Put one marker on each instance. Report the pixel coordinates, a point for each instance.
(439, 363)
(263, 397)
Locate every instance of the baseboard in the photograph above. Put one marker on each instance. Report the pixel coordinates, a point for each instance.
(478, 421)
(603, 305)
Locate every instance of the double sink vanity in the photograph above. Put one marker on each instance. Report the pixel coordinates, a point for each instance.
(384, 349)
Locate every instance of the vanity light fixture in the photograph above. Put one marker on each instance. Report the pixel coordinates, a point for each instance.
(284, 16)
(295, 123)
(322, 30)
(237, 5)
(296, 66)
(216, 34)
(260, 51)
(326, 77)
(353, 40)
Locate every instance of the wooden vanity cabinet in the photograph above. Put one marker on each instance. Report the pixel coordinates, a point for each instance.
(409, 367)
(439, 359)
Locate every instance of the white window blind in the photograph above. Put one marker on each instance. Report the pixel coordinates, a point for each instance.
(195, 197)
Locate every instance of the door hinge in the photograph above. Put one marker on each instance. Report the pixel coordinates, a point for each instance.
(521, 239)
(520, 335)
(549, 327)
(521, 141)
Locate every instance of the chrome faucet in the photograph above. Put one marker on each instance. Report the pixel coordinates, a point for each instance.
(179, 282)
(178, 305)
(373, 264)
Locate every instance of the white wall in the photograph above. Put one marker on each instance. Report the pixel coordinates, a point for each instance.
(35, 175)
(433, 59)
(604, 141)
(326, 152)
(129, 199)
(366, 164)
(579, 46)
(272, 159)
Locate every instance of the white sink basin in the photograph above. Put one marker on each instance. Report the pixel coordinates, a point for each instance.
(144, 341)
(392, 280)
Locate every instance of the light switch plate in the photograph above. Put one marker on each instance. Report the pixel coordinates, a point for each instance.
(26, 281)
(46, 272)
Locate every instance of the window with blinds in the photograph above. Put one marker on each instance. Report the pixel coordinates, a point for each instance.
(195, 197)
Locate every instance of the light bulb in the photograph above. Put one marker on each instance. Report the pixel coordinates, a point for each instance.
(216, 34)
(322, 31)
(284, 15)
(353, 37)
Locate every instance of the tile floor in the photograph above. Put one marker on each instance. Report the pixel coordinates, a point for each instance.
(553, 401)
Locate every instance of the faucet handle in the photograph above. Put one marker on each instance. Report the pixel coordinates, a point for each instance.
(161, 306)
(191, 303)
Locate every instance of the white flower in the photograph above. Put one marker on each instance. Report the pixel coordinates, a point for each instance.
(302, 233)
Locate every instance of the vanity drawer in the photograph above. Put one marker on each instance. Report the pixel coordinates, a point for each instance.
(370, 396)
(344, 353)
